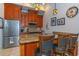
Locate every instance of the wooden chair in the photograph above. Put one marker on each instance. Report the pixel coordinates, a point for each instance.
(46, 45)
(71, 42)
(68, 43)
(63, 43)
(60, 50)
(71, 45)
(74, 38)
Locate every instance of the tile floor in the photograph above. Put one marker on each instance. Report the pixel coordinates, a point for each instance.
(10, 52)
(13, 52)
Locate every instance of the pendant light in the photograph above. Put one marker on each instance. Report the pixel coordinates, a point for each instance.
(55, 10)
(38, 6)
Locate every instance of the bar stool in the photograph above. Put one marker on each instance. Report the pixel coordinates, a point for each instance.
(46, 45)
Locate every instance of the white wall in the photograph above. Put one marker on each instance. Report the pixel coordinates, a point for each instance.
(2, 10)
(25, 4)
(1, 15)
(71, 24)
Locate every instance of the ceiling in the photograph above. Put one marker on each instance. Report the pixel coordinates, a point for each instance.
(26, 4)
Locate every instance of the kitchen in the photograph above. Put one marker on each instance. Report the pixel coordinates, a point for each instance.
(17, 20)
(36, 22)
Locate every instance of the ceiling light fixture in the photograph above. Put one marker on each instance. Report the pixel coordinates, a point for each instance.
(55, 10)
(39, 6)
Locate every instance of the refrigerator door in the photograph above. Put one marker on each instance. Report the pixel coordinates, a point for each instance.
(10, 42)
(11, 28)
(5, 29)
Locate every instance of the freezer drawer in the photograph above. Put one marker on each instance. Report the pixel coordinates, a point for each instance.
(10, 42)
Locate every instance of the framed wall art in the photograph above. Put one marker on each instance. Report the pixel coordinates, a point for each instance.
(61, 21)
(53, 21)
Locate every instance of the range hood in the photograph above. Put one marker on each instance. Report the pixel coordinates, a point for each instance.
(32, 23)
(33, 27)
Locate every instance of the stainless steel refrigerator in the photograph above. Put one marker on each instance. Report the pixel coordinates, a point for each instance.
(11, 32)
(1, 32)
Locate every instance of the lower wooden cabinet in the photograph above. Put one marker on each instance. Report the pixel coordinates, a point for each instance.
(22, 49)
(28, 49)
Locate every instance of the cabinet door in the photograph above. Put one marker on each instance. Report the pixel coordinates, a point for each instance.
(22, 50)
(30, 49)
(35, 16)
(40, 21)
(24, 19)
(17, 12)
(8, 11)
(12, 11)
(32, 15)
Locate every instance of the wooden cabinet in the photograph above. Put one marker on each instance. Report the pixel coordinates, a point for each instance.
(31, 48)
(22, 49)
(28, 49)
(32, 15)
(17, 12)
(24, 19)
(12, 11)
(8, 11)
(40, 21)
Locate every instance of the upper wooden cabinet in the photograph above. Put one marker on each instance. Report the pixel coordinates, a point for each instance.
(12, 11)
(8, 11)
(23, 14)
(24, 19)
(32, 15)
(40, 21)
(17, 12)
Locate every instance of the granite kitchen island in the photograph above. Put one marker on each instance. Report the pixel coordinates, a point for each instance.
(28, 44)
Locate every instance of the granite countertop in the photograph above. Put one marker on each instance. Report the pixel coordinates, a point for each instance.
(29, 38)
